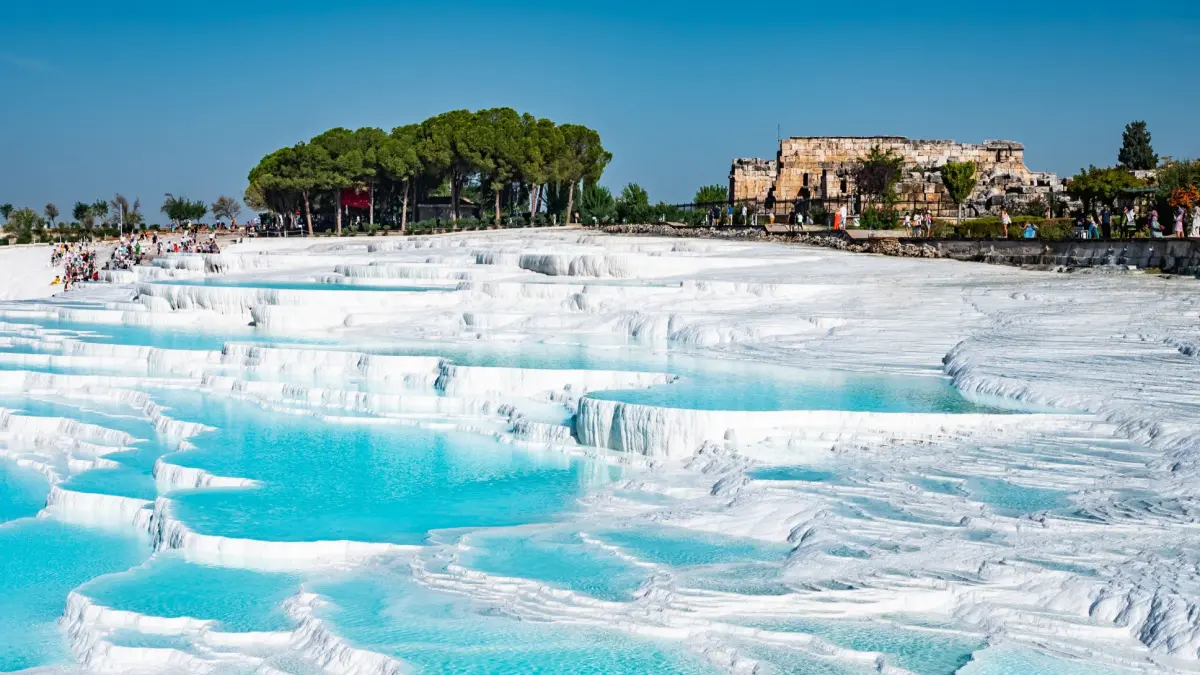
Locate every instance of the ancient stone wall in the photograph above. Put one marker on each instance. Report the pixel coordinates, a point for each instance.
(822, 168)
(751, 179)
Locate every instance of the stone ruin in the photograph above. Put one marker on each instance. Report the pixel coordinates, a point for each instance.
(822, 168)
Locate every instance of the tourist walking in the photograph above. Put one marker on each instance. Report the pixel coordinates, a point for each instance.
(1093, 231)
(1005, 221)
(1179, 214)
(1155, 226)
(1196, 221)
(1106, 222)
(908, 224)
(928, 224)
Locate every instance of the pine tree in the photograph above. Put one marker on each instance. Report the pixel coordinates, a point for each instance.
(1136, 153)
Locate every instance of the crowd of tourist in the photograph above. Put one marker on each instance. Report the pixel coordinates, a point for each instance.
(1106, 225)
(918, 224)
(79, 260)
(189, 244)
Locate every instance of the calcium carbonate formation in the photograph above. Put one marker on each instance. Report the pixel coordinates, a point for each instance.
(940, 468)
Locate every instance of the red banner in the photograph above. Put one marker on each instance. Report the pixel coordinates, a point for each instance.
(355, 199)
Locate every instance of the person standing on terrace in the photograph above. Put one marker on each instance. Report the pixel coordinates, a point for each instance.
(1130, 224)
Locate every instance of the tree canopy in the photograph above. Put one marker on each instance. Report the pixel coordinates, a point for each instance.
(634, 204)
(24, 222)
(596, 204)
(87, 214)
(1177, 173)
(225, 208)
(1136, 153)
(1095, 187)
(100, 209)
(960, 179)
(711, 194)
(127, 215)
(181, 209)
(515, 161)
(877, 174)
(82, 213)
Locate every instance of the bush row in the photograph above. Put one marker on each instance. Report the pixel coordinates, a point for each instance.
(990, 228)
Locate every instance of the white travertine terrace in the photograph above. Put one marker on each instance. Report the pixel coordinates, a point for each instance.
(1103, 365)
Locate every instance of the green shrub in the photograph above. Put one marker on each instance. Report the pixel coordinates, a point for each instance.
(879, 219)
(25, 237)
(989, 227)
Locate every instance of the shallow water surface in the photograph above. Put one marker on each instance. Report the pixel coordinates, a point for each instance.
(22, 491)
(238, 600)
(449, 634)
(42, 561)
(387, 483)
(758, 387)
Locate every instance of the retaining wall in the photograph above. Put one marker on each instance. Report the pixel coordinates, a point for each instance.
(1175, 256)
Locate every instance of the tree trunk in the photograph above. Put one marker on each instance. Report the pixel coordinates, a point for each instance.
(454, 187)
(571, 203)
(337, 205)
(404, 209)
(532, 191)
(307, 214)
(497, 207)
(371, 200)
(537, 202)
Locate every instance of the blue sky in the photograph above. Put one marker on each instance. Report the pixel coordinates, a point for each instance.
(144, 98)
